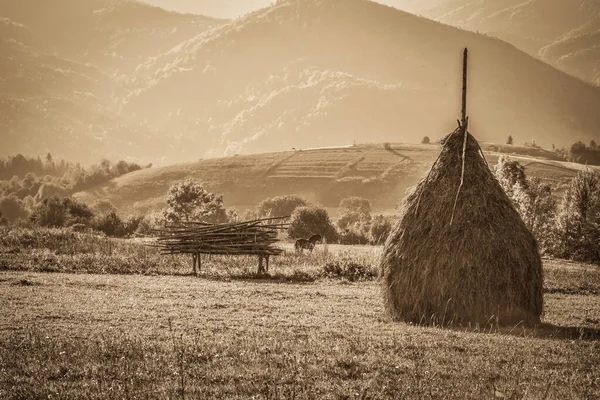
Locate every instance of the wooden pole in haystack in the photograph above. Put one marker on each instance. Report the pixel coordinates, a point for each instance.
(463, 126)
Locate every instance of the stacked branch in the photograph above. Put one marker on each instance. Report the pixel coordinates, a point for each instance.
(257, 237)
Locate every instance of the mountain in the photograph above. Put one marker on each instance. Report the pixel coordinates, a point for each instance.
(116, 78)
(563, 33)
(63, 64)
(318, 73)
(215, 8)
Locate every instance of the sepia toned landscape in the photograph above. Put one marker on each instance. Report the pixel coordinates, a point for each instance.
(273, 200)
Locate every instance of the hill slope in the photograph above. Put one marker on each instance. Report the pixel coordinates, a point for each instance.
(563, 33)
(318, 73)
(323, 175)
(63, 64)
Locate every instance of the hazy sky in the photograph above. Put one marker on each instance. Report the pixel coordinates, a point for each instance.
(232, 8)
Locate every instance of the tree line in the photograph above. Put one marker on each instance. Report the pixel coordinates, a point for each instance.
(25, 182)
(565, 220)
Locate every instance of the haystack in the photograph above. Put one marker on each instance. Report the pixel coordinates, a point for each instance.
(461, 260)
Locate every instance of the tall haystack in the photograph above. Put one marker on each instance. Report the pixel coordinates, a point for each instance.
(461, 256)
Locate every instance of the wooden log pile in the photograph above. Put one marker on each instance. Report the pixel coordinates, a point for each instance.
(257, 237)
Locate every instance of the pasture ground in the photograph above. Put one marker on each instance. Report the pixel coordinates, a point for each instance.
(134, 336)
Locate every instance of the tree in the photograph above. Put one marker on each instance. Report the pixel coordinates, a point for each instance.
(355, 204)
(280, 206)
(380, 229)
(537, 206)
(51, 212)
(190, 201)
(510, 174)
(355, 217)
(510, 140)
(56, 212)
(308, 221)
(426, 140)
(12, 208)
(577, 232)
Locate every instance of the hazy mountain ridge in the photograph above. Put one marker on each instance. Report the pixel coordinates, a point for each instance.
(65, 64)
(560, 32)
(302, 73)
(197, 86)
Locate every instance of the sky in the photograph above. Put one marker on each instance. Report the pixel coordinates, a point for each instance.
(231, 8)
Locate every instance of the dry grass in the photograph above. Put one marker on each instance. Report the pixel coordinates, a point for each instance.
(65, 251)
(103, 336)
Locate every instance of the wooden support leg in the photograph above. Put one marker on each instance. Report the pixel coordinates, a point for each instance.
(194, 258)
(267, 262)
(260, 265)
(199, 262)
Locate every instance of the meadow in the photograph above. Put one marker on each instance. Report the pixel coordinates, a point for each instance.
(91, 317)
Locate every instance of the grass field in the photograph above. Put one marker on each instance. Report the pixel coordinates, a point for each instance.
(127, 333)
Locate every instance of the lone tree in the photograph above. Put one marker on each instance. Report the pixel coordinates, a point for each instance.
(355, 212)
(509, 140)
(308, 221)
(190, 201)
(426, 140)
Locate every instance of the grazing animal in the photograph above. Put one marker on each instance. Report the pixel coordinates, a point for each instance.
(308, 244)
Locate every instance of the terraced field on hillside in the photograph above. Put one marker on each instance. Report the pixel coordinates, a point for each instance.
(379, 173)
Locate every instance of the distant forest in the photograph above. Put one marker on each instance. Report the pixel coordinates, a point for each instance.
(583, 154)
(33, 179)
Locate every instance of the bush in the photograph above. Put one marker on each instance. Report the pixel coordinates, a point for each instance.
(380, 229)
(55, 212)
(111, 225)
(307, 221)
(350, 270)
(149, 223)
(280, 206)
(12, 208)
(426, 140)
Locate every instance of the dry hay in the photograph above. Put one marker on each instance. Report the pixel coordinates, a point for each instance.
(483, 268)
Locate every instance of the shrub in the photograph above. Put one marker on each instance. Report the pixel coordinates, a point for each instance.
(426, 140)
(280, 206)
(350, 270)
(12, 208)
(307, 221)
(352, 237)
(56, 212)
(111, 225)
